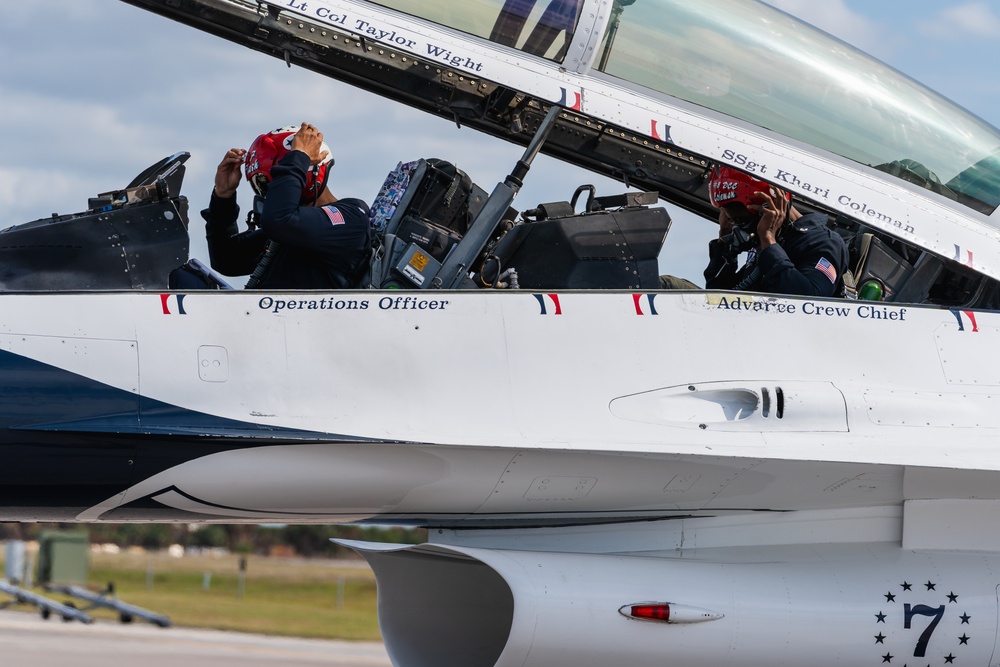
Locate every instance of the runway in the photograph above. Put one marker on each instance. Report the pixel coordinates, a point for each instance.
(27, 639)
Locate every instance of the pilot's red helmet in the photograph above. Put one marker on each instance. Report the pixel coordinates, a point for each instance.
(268, 148)
(732, 186)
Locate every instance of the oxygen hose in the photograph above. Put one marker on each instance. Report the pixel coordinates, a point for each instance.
(262, 265)
(752, 279)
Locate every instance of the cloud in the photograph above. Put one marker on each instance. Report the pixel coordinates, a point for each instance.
(974, 19)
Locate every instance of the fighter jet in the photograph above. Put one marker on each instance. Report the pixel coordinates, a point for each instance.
(609, 471)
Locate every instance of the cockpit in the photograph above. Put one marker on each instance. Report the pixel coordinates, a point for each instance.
(736, 64)
(437, 229)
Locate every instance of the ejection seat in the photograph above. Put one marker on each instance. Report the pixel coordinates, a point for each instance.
(426, 205)
(614, 244)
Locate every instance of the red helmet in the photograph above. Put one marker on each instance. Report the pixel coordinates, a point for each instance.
(731, 186)
(267, 149)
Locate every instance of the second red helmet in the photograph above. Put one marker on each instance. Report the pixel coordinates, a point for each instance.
(732, 186)
(265, 152)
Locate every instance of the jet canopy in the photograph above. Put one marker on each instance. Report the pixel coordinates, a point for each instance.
(750, 61)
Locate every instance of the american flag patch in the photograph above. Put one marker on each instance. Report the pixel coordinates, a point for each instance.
(336, 217)
(826, 267)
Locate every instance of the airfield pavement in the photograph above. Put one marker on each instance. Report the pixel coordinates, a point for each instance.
(27, 639)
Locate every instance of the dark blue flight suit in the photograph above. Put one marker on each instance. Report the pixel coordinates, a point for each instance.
(809, 259)
(316, 247)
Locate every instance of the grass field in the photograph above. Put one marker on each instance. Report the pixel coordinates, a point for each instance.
(325, 599)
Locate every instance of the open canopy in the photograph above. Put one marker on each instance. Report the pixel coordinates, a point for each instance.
(750, 61)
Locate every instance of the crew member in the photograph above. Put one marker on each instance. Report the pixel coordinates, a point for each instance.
(299, 235)
(788, 252)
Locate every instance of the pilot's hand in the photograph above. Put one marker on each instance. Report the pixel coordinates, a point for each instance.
(227, 175)
(773, 209)
(309, 140)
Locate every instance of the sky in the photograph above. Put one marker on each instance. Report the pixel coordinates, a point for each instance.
(94, 91)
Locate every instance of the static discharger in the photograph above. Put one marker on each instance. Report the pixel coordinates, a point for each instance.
(667, 612)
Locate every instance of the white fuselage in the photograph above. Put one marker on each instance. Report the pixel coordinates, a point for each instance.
(493, 404)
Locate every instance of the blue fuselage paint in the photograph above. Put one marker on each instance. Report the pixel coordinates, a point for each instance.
(68, 442)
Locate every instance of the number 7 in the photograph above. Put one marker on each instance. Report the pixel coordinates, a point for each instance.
(925, 636)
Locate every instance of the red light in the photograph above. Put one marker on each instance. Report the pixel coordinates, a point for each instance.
(668, 612)
(652, 612)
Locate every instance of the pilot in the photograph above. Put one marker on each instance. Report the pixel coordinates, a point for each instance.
(299, 235)
(788, 252)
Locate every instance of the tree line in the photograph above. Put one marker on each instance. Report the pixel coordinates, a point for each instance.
(311, 540)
